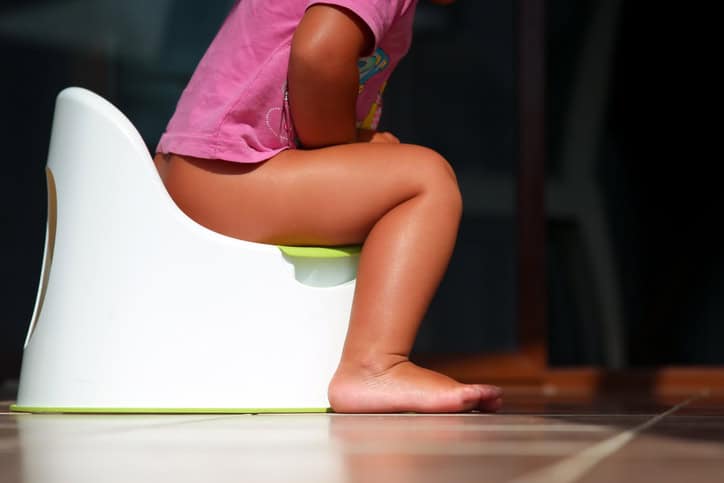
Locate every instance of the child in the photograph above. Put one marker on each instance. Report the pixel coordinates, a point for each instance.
(274, 141)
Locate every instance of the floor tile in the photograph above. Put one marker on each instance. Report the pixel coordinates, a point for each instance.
(525, 439)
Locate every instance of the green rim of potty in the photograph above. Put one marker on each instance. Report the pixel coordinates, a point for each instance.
(321, 252)
(58, 410)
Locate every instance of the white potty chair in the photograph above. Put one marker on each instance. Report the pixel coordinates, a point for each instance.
(140, 309)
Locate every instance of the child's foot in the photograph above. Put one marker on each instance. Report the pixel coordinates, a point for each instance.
(403, 386)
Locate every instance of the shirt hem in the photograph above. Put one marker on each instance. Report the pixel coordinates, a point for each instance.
(214, 148)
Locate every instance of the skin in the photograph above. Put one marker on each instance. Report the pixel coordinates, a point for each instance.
(347, 186)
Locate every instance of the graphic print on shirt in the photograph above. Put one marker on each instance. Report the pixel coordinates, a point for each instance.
(277, 119)
(368, 68)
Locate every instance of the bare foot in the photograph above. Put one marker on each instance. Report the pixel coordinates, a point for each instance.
(402, 387)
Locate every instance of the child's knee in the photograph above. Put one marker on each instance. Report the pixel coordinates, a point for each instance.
(434, 164)
(438, 178)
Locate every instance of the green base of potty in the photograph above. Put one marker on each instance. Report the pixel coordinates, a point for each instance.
(63, 410)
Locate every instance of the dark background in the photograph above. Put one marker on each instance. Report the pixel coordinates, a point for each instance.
(628, 96)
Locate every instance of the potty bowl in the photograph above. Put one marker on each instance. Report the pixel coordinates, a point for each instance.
(142, 310)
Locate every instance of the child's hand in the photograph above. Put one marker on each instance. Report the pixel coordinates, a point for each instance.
(371, 136)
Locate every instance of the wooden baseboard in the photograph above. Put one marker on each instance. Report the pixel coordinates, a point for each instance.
(656, 381)
(524, 372)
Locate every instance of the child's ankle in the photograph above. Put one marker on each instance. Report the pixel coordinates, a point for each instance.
(371, 363)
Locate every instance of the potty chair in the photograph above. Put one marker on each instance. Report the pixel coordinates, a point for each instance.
(142, 310)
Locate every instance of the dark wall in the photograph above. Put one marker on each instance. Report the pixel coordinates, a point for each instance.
(662, 95)
(28, 95)
(659, 184)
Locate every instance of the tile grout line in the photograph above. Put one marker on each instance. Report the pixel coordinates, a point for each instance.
(575, 466)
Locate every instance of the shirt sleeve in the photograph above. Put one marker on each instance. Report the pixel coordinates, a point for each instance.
(379, 15)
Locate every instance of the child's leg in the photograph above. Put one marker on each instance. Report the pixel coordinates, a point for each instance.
(402, 201)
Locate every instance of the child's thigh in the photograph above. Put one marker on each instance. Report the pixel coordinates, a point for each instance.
(336, 195)
(328, 196)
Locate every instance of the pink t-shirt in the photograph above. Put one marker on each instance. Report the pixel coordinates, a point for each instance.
(235, 107)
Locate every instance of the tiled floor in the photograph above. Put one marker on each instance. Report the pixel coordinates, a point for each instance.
(532, 440)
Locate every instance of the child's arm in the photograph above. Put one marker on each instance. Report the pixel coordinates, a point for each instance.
(324, 77)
